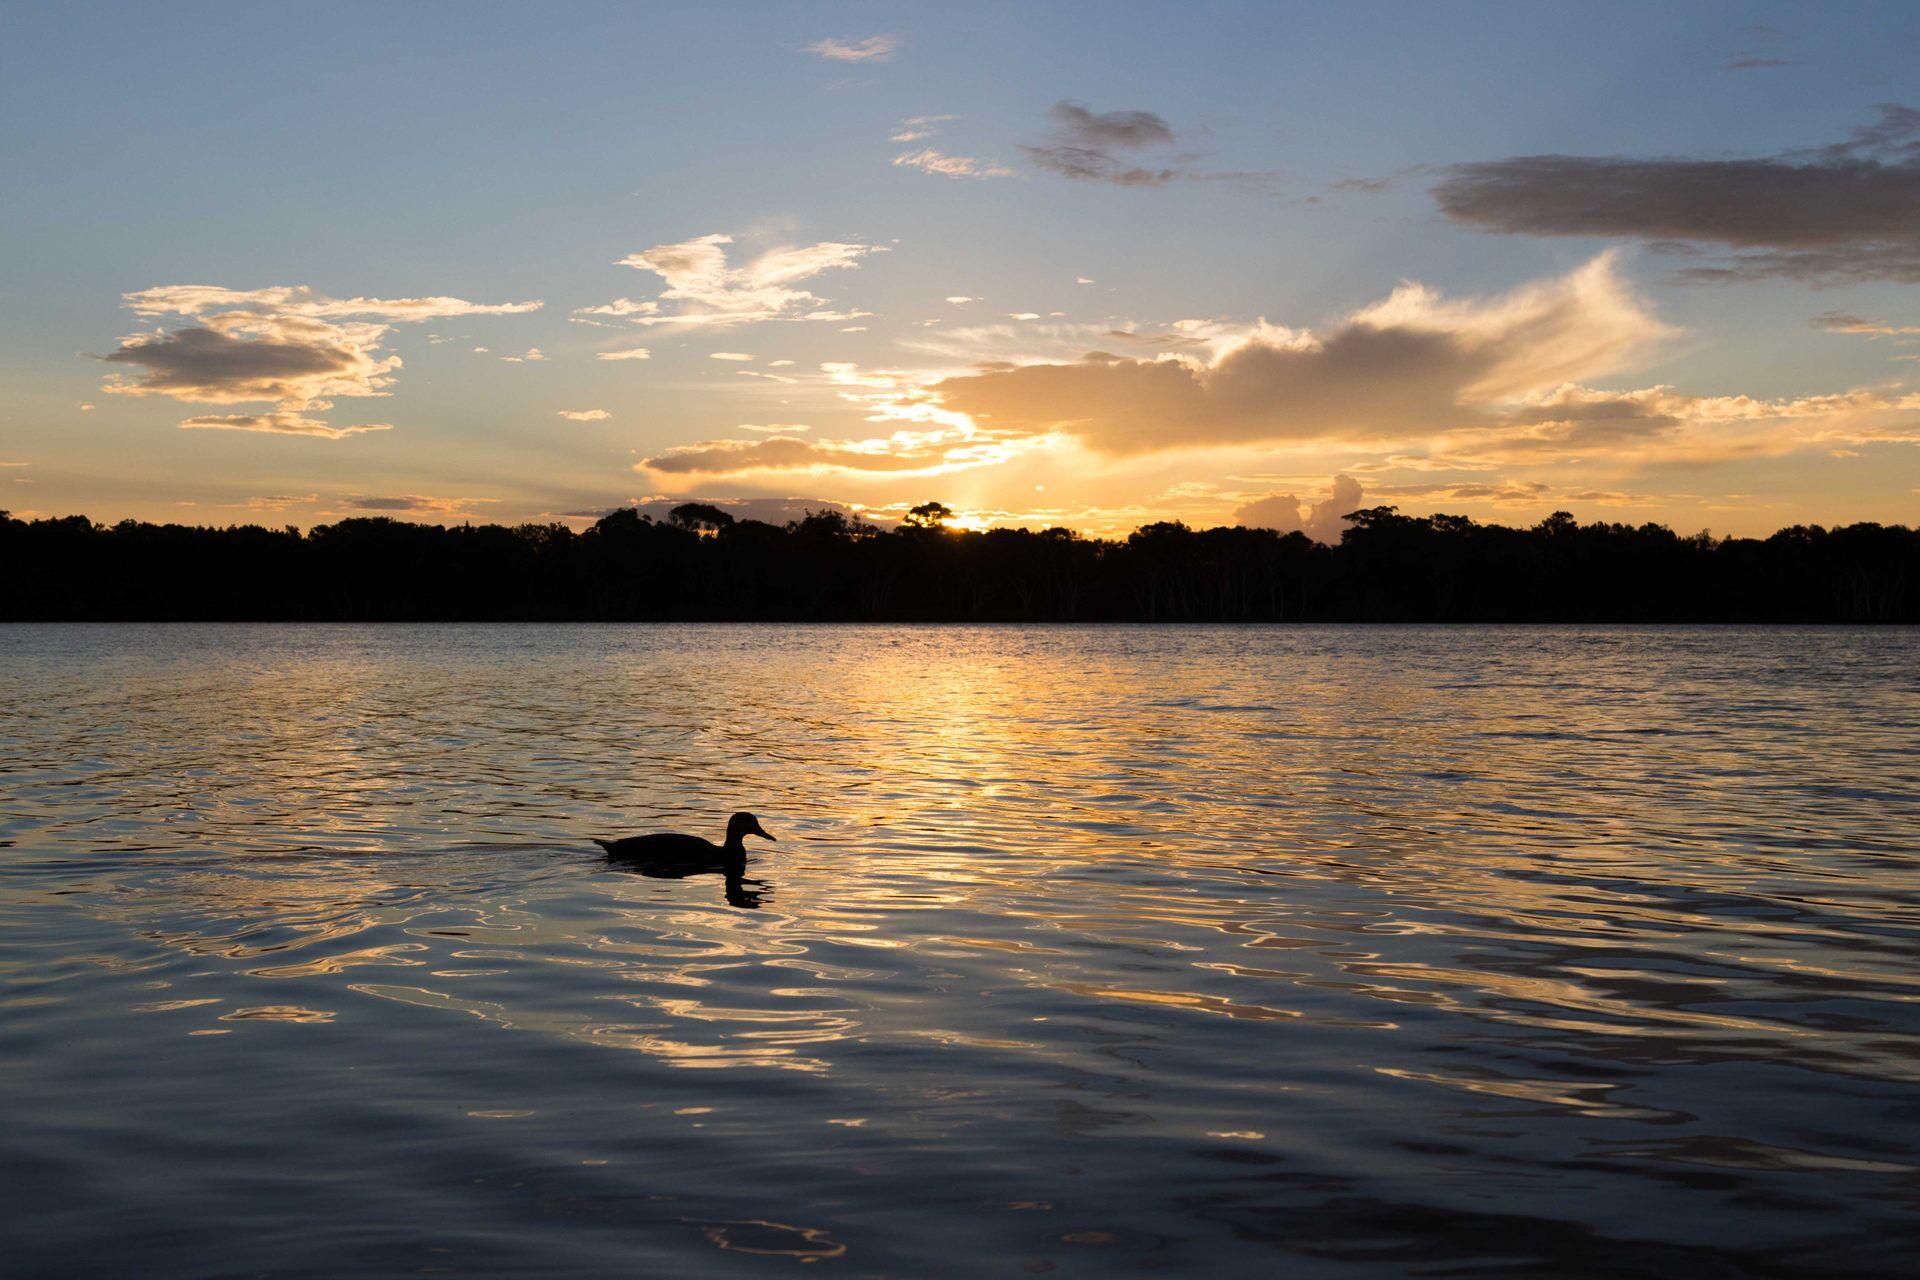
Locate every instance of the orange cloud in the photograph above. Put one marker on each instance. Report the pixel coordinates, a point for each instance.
(279, 423)
(1413, 363)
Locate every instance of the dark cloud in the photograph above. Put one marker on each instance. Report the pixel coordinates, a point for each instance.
(1755, 64)
(206, 365)
(1087, 164)
(1085, 146)
(1847, 211)
(1847, 322)
(408, 503)
(1894, 136)
(1101, 129)
(414, 504)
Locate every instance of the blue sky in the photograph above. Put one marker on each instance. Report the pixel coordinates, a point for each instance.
(1286, 161)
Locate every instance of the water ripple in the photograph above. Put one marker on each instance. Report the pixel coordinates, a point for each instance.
(1328, 952)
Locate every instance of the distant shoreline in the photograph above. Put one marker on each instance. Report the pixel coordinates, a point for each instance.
(827, 568)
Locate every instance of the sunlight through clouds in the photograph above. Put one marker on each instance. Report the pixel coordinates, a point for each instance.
(1414, 362)
(1050, 269)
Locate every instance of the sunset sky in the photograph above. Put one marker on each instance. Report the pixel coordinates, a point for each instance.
(1090, 265)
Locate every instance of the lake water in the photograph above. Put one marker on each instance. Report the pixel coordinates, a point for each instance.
(1083, 951)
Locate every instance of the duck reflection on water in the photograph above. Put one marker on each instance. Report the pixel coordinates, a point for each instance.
(669, 855)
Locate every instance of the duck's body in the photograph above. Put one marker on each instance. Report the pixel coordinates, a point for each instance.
(668, 846)
(673, 847)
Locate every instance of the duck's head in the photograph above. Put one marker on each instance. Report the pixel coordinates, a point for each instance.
(744, 824)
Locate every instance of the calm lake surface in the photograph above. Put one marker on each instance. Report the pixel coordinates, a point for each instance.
(1083, 951)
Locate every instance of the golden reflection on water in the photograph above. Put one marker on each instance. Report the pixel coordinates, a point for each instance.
(1215, 885)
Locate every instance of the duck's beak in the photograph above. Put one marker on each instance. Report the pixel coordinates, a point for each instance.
(762, 833)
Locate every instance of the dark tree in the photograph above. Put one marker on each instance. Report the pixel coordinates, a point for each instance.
(928, 515)
(700, 517)
(829, 566)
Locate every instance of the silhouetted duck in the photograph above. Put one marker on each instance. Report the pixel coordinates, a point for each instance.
(669, 855)
(671, 846)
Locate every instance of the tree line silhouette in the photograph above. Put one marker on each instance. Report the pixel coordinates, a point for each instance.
(702, 564)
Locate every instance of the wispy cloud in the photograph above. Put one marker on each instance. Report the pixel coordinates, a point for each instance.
(935, 161)
(1762, 49)
(413, 504)
(300, 300)
(929, 439)
(585, 415)
(915, 128)
(707, 291)
(630, 353)
(623, 308)
(1086, 146)
(728, 457)
(879, 48)
(1848, 211)
(1843, 322)
(280, 423)
(932, 160)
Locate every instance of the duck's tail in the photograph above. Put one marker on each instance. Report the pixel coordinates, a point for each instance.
(604, 844)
